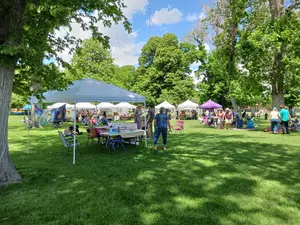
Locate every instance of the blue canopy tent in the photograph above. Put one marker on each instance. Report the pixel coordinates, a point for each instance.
(91, 90)
(27, 107)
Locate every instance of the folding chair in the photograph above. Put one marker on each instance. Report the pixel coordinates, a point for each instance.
(115, 142)
(68, 142)
(179, 127)
(92, 134)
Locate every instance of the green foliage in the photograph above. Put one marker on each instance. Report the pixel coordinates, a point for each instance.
(125, 77)
(32, 36)
(164, 72)
(94, 61)
(17, 101)
(259, 45)
(214, 84)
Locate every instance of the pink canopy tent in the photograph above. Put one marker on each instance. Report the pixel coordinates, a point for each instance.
(210, 105)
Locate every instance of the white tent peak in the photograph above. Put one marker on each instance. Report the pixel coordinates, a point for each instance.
(188, 105)
(125, 105)
(105, 105)
(166, 105)
(85, 105)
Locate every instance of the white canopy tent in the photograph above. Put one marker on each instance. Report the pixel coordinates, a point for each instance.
(166, 105)
(85, 105)
(105, 105)
(91, 90)
(124, 107)
(189, 105)
(59, 104)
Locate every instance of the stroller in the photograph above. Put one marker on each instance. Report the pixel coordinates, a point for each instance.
(295, 126)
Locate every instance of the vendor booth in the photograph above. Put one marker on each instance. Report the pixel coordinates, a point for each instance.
(165, 105)
(125, 110)
(91, 90)
(210, 105)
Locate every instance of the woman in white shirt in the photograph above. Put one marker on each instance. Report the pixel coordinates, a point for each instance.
(274, 118)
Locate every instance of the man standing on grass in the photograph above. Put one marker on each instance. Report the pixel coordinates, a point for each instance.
(138, 116)
(285, 118)
(150, 118)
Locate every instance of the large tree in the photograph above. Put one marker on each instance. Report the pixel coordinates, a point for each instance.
(92, 60)
(269, 47)
(164, 72)
(95, 61)
(225, 18)
(27, 38)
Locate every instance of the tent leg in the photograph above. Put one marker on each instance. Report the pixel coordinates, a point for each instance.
(74, 132)
(28, 133)
(146, 144)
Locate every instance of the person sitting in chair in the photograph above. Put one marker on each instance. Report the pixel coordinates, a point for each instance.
(69, 131)
(77, 130)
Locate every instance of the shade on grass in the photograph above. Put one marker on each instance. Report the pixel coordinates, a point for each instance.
(207, 176)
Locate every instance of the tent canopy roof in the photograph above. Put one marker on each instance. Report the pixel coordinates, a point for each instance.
(26, 107)
(210, 105)
(91, 90)
(166, 105)
(59, 104)
(85, 105)
(105, 105)
(125, 105)
(188, 105)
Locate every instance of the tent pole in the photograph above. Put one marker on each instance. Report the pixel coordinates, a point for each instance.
(28, 134)
(146, 144)
(74, 132)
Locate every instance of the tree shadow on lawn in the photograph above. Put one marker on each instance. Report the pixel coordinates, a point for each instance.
(280, 162)
(197, 181)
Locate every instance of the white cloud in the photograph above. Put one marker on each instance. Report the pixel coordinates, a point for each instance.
(166, 16)
(124, 48)
(127, 54)
(192, 17)
(134, 6)
(207, 47)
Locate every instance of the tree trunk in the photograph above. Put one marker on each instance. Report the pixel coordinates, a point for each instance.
(277, 81)
(277, 10)
(8, 173)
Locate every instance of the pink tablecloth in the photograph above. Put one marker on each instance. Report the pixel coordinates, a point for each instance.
(100, 130)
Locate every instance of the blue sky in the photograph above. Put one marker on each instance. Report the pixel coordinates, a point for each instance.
(179, 28)
(176, 16)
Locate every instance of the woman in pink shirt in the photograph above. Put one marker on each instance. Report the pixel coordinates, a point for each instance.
(228, 118)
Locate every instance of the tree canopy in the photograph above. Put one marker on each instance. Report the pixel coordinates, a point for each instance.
(27, 39)
(164, 70)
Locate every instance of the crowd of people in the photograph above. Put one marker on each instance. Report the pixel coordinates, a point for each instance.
(92, 117)
(281, 121)
(228, 118)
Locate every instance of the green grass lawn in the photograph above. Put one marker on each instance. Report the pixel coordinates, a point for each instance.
(207, 176)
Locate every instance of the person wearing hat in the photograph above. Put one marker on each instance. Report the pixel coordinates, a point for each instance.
(150, 118)
(228, 118)
(285, 118)
(138, 116)
(161, 124)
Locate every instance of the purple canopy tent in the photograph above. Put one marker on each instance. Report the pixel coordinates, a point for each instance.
(210, 105)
